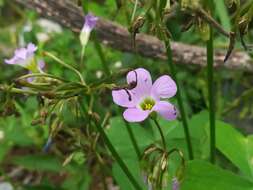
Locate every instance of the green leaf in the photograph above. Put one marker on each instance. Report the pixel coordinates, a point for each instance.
(200, 175)
(222, 13)
(236, 147)
(38, 162)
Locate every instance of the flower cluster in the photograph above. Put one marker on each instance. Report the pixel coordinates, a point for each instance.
(146, 98)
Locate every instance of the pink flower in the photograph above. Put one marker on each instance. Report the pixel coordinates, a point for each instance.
(23, 56)
(146, 97)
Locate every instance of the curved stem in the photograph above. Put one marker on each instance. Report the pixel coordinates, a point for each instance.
(65, 65)
(179, 99)
(17, 90)
(161, 133)
(42, 75)
(134, 10)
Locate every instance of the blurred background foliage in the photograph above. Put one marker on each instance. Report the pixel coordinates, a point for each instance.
(68, 165)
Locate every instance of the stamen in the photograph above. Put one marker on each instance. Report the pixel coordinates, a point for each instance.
(147, 104)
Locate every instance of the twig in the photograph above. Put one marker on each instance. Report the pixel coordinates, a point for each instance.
(118, 37)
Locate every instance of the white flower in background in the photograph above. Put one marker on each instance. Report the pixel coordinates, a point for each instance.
(118, 64)
(28, 27)
(5, 186)
(48, 27)
(99, 74)
(1, 136)
(42, 37)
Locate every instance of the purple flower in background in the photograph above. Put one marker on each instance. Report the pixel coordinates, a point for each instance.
(145, 97)
(23, 56)
(90, 21)
(175, 184)
(89, 24)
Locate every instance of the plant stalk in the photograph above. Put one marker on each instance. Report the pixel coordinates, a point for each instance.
(66, 65)
(179, 100)
(161, 133)
(211, 95)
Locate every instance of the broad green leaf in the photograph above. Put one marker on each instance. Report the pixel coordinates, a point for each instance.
(147, 135)
(200, 175)
(222, 13)
(236, 147)
(16, 132)
(39, 162)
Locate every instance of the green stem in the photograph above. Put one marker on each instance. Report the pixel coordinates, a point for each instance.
(82, 55)
(17, 90)
(210, 81)
(134, 10)
(134, 142)
(179, 99)
(41, 75)
(117, 157)
(65, 65)
(161, 133)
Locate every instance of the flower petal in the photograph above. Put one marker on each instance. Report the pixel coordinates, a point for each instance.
(21, 53)
(90, 21)
(10, 61)
(121, 97)
(135, 115)
(166, 110)
(144, 82)
(31, 48)
(164, 87)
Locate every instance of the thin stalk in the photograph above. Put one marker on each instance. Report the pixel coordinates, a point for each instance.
(82, 55)
(42, 75)
(65, 65)
(134, 10)
(210, 81)
(117, 157)
(179, 100)
(161, 133)
(133, 140)
(17, 90)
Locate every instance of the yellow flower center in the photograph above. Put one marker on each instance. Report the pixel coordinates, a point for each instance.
(147, 104)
